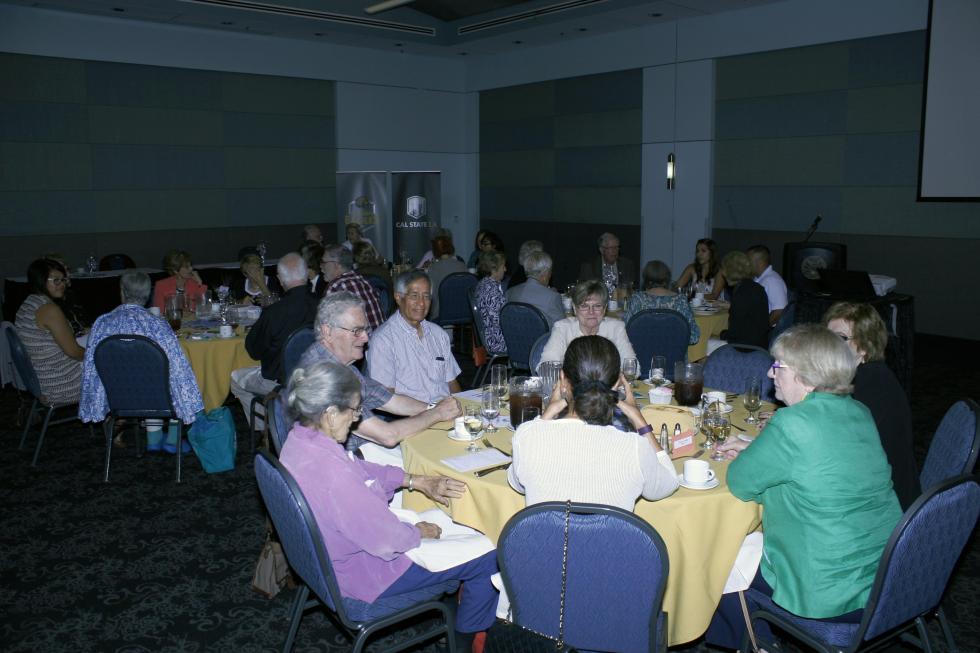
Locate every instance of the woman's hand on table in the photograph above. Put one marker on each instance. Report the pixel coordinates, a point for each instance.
(556, 403)
(732, 447)
(439, 488)
(428, 530)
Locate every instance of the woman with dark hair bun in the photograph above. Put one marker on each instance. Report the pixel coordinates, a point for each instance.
(47, 335)
(574, 452)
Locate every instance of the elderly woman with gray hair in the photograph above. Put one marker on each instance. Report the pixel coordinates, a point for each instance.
(820, 472)
(131, 318)
(657, 294)
(349, 498)
(589, 298)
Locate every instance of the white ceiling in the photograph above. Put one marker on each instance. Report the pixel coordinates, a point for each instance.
(315, 21)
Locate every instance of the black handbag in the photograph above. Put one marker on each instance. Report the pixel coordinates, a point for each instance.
(508, 637)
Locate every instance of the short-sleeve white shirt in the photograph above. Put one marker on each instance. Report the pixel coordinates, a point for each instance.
(420, 368)
(775, 289)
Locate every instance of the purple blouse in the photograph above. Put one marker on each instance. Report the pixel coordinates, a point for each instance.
(349, 500)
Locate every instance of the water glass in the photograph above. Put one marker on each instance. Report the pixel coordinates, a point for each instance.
(752, 400)
(490, 406)
(549, 371)
(658, 371)
(498, 379)
(473, 424)
(631, 369)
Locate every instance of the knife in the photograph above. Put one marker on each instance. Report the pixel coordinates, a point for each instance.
(490, 470)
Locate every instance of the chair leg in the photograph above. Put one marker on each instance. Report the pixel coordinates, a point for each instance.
(180, 446)
(27, 423)
(40, 439)
(947, 632)
(920, 625)
(295, 616)
(107, 427)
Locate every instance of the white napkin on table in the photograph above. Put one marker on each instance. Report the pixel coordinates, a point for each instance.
(457, 543)
(478, 460)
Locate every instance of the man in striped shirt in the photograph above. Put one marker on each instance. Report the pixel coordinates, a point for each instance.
(337, 266)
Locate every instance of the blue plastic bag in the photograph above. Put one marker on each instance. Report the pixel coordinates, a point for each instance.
(214, 440)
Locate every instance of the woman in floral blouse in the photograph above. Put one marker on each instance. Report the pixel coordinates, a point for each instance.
(657, 294)
(491, 267)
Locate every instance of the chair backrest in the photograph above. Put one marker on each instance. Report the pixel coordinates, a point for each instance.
(786, 319)
(477, 317)
(296, 345)
(22, 361)
(659, 331)
(953, 450)
(617, 571)
(116, 262)
(280, 423)
(522, 324)
(920, 555)
(8, 371)
(381, 290)
(298, 532)
(731, 367)
(135, 373)
(536, 350)
(453, 305)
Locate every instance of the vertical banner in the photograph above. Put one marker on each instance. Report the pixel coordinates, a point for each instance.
(362, 198)
(415, 212)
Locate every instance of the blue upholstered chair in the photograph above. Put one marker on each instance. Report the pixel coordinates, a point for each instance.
(279, 424)
(786, 319)
(915, 568)
(453, 308)
(537, 349)
(953, 450)
(481, 329)
(658, 331)
(25, 370)
(307, 555)
(135, 373)
(521, 325)
(296, 345)
(381, 290)
(730, 368)
(617, 572)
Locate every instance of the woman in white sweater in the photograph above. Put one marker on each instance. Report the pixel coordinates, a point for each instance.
(574, 452)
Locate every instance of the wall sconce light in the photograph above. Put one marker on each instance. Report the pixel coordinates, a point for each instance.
(670, 171)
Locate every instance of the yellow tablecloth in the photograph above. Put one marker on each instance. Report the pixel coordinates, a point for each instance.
(702, 529)
(711, 326)
(213, 361)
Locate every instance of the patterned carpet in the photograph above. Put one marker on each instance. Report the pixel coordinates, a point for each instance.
(143, 564)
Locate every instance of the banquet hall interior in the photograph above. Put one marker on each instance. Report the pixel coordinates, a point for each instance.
(142, 126)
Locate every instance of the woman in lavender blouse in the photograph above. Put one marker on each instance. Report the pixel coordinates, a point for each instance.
(349, 500)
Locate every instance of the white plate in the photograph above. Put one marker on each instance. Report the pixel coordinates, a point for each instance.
(745, 437)
(713, 483)
(453, 435)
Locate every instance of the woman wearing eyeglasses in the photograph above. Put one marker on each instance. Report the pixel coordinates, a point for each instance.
(820, 472)
(47, 335)
(589, 298)
(349, 497)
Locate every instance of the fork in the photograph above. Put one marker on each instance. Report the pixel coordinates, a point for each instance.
(489, 445)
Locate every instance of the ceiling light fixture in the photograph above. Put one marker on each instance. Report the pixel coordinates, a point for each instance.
(387, 5)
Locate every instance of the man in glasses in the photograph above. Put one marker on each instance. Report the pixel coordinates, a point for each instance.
(342, 330)
(409, 354)
(337, 266)
(609, 267)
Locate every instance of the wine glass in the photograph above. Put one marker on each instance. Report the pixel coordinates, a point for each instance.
(720, 428)
(630, 368)
(498, 379)
(490, 406)
(658, 367)
(752, 400)
(549, 372)
(473, 424)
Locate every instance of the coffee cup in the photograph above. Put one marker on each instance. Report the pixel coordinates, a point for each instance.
(154, 310)
(698, 472)
(715, 395)
(226, 331)
(460, 428)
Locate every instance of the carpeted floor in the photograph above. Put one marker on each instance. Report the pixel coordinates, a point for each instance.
(143, 564)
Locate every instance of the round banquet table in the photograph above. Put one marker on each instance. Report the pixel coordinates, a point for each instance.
(703, 529)
(213, 361)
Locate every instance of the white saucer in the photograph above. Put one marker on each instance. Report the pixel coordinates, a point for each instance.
(453, 435)
(726, 408)
(713, 483)
(745, 437)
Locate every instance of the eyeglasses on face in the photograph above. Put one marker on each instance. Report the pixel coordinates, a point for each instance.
(57, 280)
(357, 331)
(416, 296)
(356, 411)
(779, 366)
(591, 308)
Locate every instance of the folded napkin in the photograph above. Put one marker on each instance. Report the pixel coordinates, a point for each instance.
(477, 460)
(473, 395)
(746, 564)
(457, 543)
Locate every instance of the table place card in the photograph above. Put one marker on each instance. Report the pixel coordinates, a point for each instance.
(470, 462)
(683, 444)
(473, 395)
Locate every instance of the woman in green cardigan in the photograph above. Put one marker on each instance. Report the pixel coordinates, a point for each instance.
(819, 470)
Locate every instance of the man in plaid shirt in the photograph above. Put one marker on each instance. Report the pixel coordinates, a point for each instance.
(337, 266)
